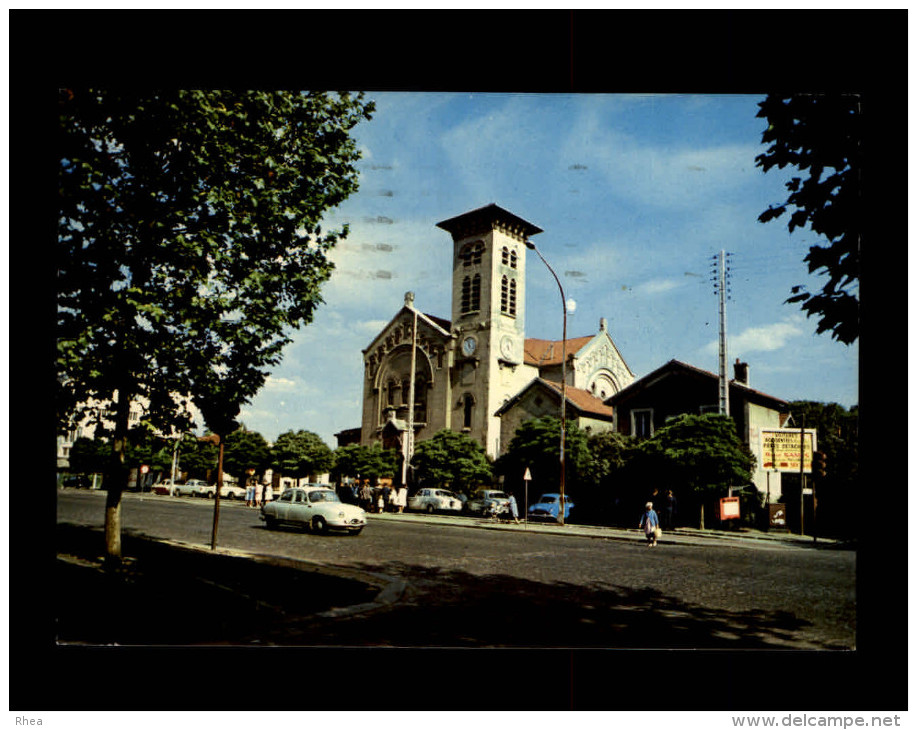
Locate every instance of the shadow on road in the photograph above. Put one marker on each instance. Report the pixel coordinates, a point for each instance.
(170, 595)
(453, 608)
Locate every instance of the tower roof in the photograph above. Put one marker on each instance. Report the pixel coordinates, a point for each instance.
(485, 219)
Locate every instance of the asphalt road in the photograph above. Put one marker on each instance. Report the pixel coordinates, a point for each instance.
(466, 587)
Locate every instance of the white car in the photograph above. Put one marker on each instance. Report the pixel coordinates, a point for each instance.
(232, 491)
(488, 501)
(315, 508)
(435, 500)
(195, 488)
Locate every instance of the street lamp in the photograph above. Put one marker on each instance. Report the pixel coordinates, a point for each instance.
(563, 386)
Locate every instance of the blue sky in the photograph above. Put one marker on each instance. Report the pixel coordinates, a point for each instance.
(635, 193)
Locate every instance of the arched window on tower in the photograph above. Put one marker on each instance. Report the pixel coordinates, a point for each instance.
(475, 293)
(472, 254)
(512, 298)
(391, 387)
(504, 295)
(405, 391)
(512, 260)
(505, 259)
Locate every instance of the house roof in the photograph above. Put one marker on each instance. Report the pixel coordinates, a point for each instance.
(550, 352)
(583, 401)
(674, 366)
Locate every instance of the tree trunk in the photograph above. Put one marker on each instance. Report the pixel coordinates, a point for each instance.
(117, 483)
(216, 498)
(702, 516)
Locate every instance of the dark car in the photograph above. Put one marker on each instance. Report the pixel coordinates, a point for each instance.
(78, 481)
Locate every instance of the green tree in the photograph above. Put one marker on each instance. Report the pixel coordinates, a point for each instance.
(837, 431)
(189, 245)
(819, 135)
(197, 457)
(451, 459)
(299, 454)
(599, 497)
(89, 456)
(698, 457)
(536, 446)
(366, 462)
(246, 450)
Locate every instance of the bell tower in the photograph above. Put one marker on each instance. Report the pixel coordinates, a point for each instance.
(488, 318)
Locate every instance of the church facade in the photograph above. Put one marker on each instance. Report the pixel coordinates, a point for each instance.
(470, 372)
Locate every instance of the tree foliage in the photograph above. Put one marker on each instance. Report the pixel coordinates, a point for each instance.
(819, 135)
(299, 454)
(190, 244)
(536, 446)
(451, 459)
(245, 450)
(365, 462)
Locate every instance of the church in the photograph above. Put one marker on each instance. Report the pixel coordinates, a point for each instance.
(477, 372)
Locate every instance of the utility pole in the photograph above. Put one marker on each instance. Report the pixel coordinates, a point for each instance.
(721, 287)
(409, 435)
(802, 472)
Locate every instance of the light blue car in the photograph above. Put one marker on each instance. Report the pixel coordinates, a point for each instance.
(547, 507)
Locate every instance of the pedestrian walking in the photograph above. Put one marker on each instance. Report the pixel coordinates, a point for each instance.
(259, 488)
(513, 508)
(366, 496)
(386, 498)
(249, 495)
(380, 502)
(401, 498)
(668, 514)
(268, 493)
(649, 521)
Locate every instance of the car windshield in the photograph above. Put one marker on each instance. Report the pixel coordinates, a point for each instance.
(323, 496)
(444, 493)
(548, 499)
(497, 495)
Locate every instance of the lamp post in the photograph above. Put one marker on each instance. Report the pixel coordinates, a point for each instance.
(563, 386)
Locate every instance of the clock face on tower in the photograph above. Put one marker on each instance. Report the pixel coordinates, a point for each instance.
(469, 344)
(506, 347)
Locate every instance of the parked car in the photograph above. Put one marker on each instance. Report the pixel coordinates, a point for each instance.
(548, 506)
(195, 488)
(232, 491)
(435, 500)
(164, 487)
(487, 501)
(78, 481)
(315, 508)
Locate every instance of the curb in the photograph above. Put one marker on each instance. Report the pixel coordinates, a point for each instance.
(613, 533)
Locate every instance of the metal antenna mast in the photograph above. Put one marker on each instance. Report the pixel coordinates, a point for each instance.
(721, 287)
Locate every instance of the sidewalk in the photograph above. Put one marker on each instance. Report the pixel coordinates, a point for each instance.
(678, 536)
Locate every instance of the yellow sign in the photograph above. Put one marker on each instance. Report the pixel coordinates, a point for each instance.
(780, 449)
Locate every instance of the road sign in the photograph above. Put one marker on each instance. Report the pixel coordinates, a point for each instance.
(528, 475)
(729, 508)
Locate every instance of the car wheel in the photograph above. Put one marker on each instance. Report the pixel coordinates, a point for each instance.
(270, 523)
(430, 509)
(319, 525)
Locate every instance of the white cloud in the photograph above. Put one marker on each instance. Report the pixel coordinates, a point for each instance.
(760, 339)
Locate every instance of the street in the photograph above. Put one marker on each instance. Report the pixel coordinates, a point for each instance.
(467, 587)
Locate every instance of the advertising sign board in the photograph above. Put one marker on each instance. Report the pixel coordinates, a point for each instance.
(779, 449)
(729, 508)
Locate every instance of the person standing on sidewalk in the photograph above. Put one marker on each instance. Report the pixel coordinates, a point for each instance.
(513, 507)
(649, 521)
(259, 488)
(671, 507)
